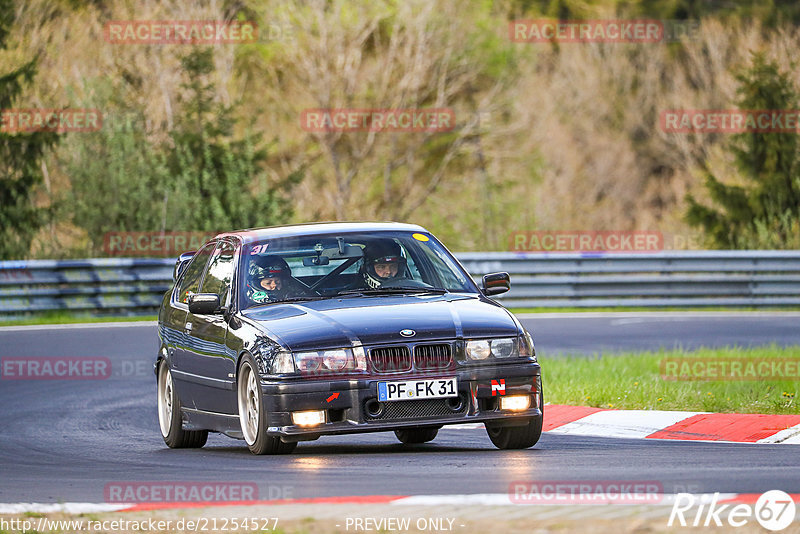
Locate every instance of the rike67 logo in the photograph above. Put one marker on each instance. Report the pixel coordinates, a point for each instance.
(774, 510)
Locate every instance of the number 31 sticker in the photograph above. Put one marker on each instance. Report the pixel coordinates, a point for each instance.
(259, 249)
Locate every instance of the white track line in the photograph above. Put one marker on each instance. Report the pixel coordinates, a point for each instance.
(422, 501)
(66, 507)
(504, 499)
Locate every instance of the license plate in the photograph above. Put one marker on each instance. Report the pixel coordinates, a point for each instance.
(436, 388)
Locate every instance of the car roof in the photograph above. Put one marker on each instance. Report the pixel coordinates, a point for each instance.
(252, 235)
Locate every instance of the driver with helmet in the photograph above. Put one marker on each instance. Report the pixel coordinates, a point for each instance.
(268, 279)
(383, 261)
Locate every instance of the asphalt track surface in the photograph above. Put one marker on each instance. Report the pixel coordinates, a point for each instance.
(67, 440)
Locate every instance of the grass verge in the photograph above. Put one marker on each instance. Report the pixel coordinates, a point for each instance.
(73, 318)
(635, 381)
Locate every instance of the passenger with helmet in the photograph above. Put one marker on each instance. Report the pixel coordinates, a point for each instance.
(383, 262)
(269, 279)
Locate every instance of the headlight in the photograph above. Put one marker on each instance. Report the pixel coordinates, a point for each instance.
(325, 361)
(282, 363)
(478, 350)
(271, 359)
(335, 360)
(501, 348)
(307, 362)
(504, 348)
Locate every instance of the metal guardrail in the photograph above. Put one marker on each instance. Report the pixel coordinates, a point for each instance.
(127, 286)
(682, 279)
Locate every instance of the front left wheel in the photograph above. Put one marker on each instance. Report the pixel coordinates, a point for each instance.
(253, 416)
(169, 415)
(518, 437)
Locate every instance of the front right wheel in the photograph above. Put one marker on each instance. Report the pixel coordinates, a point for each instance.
(253, 416)
(169, 415)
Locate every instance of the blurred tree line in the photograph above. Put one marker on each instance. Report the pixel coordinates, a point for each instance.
(202, 177)
(20, 159)
(204, 138)
(764, 210)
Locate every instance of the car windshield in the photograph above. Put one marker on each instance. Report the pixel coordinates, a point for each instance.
(301, 268)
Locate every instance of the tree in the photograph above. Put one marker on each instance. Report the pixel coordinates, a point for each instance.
(389, 56)
(222, 178)
(763, 212)
(20, 159)
(197, 177)
(119, 179)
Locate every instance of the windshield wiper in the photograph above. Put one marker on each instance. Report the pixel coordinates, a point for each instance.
(392, 291)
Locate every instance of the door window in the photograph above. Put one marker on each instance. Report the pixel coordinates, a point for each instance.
(190, 283)
(220, 272)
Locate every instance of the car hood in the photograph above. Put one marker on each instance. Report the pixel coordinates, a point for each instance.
(335, 322)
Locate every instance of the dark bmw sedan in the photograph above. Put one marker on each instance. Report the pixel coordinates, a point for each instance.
(285, 334)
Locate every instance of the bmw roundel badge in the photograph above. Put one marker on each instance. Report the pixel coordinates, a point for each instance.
(407, 332)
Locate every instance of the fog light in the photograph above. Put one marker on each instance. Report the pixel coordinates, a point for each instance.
(311, 418)
(517, 403)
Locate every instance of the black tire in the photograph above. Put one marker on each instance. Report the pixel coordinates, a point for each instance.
(411, 436)
(518, 437)
(252, 415)
(169, 415)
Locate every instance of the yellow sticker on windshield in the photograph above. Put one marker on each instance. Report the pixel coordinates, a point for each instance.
(420, 237)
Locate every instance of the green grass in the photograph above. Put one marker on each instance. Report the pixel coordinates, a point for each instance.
(73, 318)
(634, 381)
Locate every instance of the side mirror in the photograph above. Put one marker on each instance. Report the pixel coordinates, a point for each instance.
(204, 304)
(496, 283)
(180, 264)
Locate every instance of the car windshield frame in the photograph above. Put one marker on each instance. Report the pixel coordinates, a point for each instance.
(427, 260)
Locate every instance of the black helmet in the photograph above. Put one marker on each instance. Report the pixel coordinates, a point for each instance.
(262, 267)
(385, 251)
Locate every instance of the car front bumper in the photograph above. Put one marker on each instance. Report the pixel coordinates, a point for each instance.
(351, 406)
